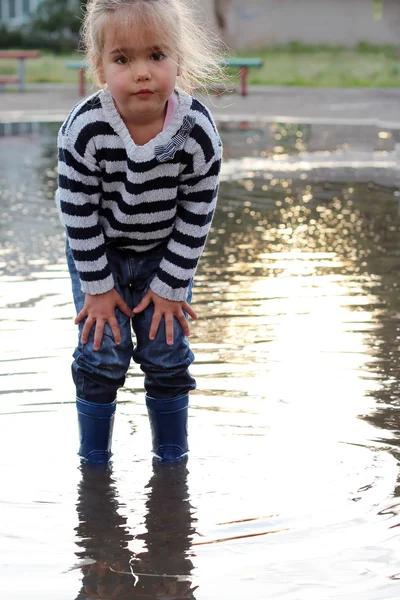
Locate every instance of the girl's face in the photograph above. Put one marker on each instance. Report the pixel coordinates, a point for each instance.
(138, 71)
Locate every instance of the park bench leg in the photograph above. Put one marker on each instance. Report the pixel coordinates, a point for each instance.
(82, 82)
(21, 74)
(243, 79)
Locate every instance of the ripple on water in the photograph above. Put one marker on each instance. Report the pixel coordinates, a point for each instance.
(291, 488)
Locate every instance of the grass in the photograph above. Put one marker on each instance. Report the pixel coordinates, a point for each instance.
(49, 68)
(294, 64)
(324, 66)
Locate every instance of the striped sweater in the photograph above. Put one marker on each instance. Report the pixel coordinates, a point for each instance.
(113, 192)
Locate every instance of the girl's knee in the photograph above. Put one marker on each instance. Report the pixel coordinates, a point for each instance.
(110, 361)
(168, 384)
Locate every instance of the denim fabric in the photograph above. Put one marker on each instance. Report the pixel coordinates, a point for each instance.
(99, 374)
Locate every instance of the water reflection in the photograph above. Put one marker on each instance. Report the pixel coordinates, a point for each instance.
(111, 568)
(297, 364)
(296, 273)
(30, 231)
(273, 139)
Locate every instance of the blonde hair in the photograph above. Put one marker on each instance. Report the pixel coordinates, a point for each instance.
(197, 51)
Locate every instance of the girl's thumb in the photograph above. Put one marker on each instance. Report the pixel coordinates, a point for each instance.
(141, 306)
(145, 301)
(138, 308)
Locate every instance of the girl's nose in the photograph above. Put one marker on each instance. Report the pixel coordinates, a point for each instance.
(141, 72)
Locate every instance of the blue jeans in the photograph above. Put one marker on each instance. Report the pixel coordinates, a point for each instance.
(99, 374)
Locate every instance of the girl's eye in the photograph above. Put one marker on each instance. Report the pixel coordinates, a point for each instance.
(157, 56)
(121, 60)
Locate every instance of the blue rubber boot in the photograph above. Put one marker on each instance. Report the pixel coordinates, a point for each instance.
(168, 423)
(96, 423)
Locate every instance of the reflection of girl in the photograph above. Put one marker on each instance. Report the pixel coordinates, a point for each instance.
(163, 570)
(139, 166)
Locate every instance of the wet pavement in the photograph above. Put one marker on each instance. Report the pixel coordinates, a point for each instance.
(357, 106)
(292, 486)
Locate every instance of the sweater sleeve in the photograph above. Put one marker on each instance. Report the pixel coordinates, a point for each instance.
(197, 197)
(78, 198)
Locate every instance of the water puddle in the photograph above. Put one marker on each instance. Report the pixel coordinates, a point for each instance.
(291, 490)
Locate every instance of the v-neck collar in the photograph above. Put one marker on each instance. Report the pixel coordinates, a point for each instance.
(146, 151)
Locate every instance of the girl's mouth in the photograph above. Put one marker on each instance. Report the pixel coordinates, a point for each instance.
(144, 93)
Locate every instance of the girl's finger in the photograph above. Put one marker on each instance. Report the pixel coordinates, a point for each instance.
(115, 330)
(155, 322)
(98, 335)
(187, 308)
(183, 323)
(86, 330)
(169, 328)
(80, 316)
(124, 308)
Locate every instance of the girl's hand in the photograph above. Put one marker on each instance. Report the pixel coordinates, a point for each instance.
(99, 310)
(167, 309)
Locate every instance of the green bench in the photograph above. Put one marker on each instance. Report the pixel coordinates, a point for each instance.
(80, 66)
(243, 64)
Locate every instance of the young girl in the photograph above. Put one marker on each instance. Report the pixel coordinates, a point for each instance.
(139, 165)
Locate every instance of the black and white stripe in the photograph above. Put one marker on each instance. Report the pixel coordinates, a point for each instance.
(111, 191)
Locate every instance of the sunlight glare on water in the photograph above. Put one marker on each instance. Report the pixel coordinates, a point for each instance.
(291, 487)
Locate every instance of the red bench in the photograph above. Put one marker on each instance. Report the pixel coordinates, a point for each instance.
(21, 56)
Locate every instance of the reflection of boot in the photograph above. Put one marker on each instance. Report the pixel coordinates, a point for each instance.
(96, 423)
(168, 422)
(103, 537)
(166, 564)
(109, 570)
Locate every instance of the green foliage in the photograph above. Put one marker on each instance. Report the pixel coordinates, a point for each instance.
(10, 38)
(58, 16)
(388, 50)
(54, 26)
(297, 47)
(25, 38)
(377, 7)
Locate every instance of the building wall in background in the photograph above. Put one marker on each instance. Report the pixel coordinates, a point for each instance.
(256, 23)
(16, 12)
